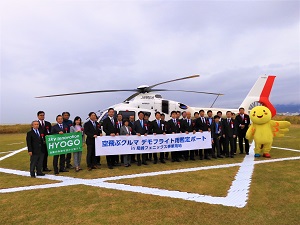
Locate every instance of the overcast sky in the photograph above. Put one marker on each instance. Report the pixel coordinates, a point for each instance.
(52, 47)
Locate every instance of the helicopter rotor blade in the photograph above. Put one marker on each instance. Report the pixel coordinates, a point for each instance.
(132, 96)
(86, 92)
(183, 78)
(198, 92)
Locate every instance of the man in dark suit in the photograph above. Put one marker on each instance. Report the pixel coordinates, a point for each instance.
(67, 123)
(229, 133)
(242, 122)
(201, 125)
(234, 139)
(173, 128)
(158, 127)
(188, 126)
(221, 140)
(44, 129)
(216, 134)
(34, 145)
(131, 122)
(141, 127)
(92, 130)
(110, 128)
(59, 128)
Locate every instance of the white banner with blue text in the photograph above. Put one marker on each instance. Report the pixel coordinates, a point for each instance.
(133, 144)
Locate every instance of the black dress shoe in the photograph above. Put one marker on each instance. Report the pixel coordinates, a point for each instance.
(144, 163)
(177, 160)
(46, 170)
(126, 165)
(89, 169)
(220, 156)
(201, 158)
(207, 158)
(173, 160)
(139, 163)
(40, 174)
(241, 152)
(110, 167)
(64, 170)
(231, 156)
(162, 161)
(215, 157)
(192, 159)
(247, 153)
(32, 176)
(56, 173)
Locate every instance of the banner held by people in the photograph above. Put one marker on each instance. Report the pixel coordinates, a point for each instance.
(119, 145)
(59, 144)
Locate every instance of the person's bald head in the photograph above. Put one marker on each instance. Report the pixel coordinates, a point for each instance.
(188, 115)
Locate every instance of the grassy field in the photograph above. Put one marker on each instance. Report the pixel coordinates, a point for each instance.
(273, 198)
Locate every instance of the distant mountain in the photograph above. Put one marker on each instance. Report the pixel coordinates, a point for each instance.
(287, 108)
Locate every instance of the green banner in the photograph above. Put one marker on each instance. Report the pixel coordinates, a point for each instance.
(59, 144)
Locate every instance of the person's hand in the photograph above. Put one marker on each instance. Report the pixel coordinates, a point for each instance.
(138, 134)
(212, 141)
(208, 129)
(154, 133)
(127, 134)
(60, 132)
(187, 132)
(201, 131)
(164, 133)
(78, 131)
(112, 134)
(117, 134)
(234, 136)
(173, 132)
(242, 126)
(30, 153)
(194, 132)
(95, 136)
(223, 135)
(101, 134)
(145, 134)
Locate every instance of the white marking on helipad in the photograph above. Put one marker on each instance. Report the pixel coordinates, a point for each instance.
(237, 195)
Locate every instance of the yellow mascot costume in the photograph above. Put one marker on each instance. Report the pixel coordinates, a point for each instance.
(263, 129)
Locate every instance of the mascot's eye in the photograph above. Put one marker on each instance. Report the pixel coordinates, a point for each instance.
(254, 112)
(264, 110)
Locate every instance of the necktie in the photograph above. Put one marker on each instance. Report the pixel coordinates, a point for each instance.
(158, 123)
(174, 121)
(189, 121)
(228, 121)
(202, 119)
(43, 124)
(94, 124)
(141, 121)
(217, 128)
(60, 126)
(37, 133)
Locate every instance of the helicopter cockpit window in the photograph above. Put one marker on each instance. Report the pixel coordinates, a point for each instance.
(158, 96)
(126, 114)
(182, 106)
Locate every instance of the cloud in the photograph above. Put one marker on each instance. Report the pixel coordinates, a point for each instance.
(69, 46)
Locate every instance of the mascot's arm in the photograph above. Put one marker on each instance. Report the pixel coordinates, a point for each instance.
(279, 127)
(250, 133)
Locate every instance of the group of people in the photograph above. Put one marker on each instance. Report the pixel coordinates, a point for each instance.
(224, 135)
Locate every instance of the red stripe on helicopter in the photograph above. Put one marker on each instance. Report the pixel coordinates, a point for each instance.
(264, 96)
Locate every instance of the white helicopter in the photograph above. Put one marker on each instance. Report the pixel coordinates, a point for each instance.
(148, 100)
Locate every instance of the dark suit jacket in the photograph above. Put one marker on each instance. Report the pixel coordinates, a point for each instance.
(139, 129)
(201, 125)
(109, 127)
(34, 143)
(56, 129)
(46, 130)
(172, 127)
(90, 131)
(239, 121)
(155, 129)
(186, 127)
(213, 130)
(229, 129)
